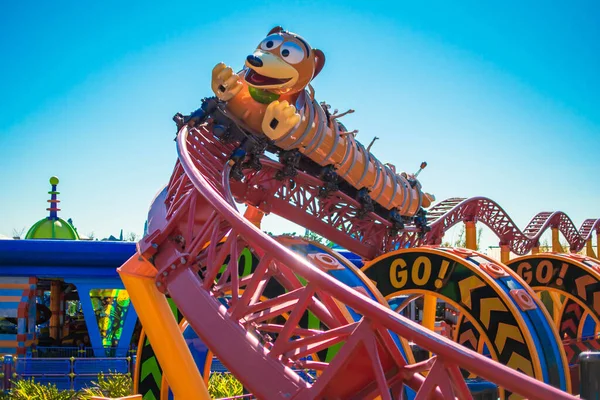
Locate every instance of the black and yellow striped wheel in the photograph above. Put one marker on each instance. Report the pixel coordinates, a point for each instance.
(500, 311)
(575, 282)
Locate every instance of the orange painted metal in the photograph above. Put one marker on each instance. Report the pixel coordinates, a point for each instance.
(302, 124)
(254, 215)
(523, 299)
(55, 292)
(328, 143)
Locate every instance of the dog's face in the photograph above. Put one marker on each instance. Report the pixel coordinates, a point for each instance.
(283, 63)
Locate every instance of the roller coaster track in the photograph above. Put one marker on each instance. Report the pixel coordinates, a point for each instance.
(338, 216)
(202, 229)
(449, 212)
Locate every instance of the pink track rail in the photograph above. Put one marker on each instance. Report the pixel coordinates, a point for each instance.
(452, 211)
(338, 216)
(203, 230)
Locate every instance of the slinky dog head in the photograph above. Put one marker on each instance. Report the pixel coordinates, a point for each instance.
(283, 63)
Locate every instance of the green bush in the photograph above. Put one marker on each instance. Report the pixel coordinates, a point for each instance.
(219, 385)
(117, 385)
(224, 385)
(28, 389)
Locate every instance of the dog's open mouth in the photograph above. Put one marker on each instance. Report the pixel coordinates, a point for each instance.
(256, 79)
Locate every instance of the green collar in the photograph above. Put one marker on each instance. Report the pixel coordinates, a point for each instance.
(262, 96)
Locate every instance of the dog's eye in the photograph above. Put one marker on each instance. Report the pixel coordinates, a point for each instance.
(271, 42)
(292, 53)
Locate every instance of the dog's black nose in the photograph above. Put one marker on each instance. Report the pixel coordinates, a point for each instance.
(254, 61)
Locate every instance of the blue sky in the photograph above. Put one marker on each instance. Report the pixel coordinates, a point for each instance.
(502, 100)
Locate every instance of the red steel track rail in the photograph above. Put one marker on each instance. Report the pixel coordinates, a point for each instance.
(338, 216)
(202, 229)
(449, 212)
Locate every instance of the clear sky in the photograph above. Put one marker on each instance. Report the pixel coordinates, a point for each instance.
(502, 100)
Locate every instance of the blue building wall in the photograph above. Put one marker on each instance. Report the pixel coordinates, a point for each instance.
(86, 264)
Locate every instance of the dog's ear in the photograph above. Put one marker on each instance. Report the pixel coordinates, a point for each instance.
(277, 29)
(319, 61)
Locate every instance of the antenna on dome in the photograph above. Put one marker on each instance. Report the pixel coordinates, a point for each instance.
(53, 200)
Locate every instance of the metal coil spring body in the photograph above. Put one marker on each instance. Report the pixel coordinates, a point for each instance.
(327, 144)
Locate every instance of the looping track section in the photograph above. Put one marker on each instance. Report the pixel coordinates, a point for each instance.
(452, 211)
(202, 228)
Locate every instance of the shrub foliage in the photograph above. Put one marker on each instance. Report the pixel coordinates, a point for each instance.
(117, 385)
(222, 385)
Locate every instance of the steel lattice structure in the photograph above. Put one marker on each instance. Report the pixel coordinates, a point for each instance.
(480, 209)
(202, 229)
(338, 216)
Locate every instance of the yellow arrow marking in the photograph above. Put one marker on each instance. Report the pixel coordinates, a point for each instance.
(466, 286)
(506, 331)
(487, 306)
(518, 362)
(582, 283)
(468, 336)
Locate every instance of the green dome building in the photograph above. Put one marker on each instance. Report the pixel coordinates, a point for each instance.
(53, 227)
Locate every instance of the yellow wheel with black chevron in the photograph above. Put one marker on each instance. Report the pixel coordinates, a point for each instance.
(573, 281)
(503, 313)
